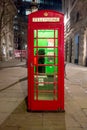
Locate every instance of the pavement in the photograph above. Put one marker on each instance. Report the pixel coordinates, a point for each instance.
(13, 103)
(13, 63)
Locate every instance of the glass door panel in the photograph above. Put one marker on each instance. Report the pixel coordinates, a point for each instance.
(45, 64)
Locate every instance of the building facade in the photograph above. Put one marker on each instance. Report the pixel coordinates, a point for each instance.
(7, 13)
(25, 7)
(75, 31)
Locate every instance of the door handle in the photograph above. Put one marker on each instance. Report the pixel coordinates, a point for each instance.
(31, 64)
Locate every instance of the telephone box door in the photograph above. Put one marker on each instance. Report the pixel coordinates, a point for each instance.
(45, 68)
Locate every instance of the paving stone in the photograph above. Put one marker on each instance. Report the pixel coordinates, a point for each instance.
(85, 111)
(7, 106)
(3, 117)
(74, 128)
(9, 128)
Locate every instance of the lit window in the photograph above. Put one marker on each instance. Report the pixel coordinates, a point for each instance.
(28, 0)
(28, 11)
(18, 11)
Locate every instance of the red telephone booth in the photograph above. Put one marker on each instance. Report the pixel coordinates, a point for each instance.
(46, 61)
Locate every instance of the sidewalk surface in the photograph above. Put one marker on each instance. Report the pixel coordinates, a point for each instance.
(13, 104)
(12, 63)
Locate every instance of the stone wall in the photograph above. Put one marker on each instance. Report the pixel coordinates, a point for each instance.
(74, 34)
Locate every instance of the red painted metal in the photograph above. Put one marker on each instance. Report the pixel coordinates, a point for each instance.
(45, 105)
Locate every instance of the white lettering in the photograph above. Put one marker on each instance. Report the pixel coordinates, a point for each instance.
(42, 19)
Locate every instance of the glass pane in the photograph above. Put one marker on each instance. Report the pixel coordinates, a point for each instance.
(56, 42)
(45, 86)
(56, 51)
(34, 33)
(45, 33)
(51, 70)
(35, 44)
(50, 60)
(45, 96)
(56, 33)
(56, 60)
(56, 70)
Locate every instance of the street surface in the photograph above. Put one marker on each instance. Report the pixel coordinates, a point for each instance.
(76, 97)
(13, 103)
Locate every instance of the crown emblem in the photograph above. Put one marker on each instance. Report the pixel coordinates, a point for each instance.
(45, 14)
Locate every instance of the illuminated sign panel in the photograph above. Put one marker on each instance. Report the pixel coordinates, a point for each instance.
(48, 19)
